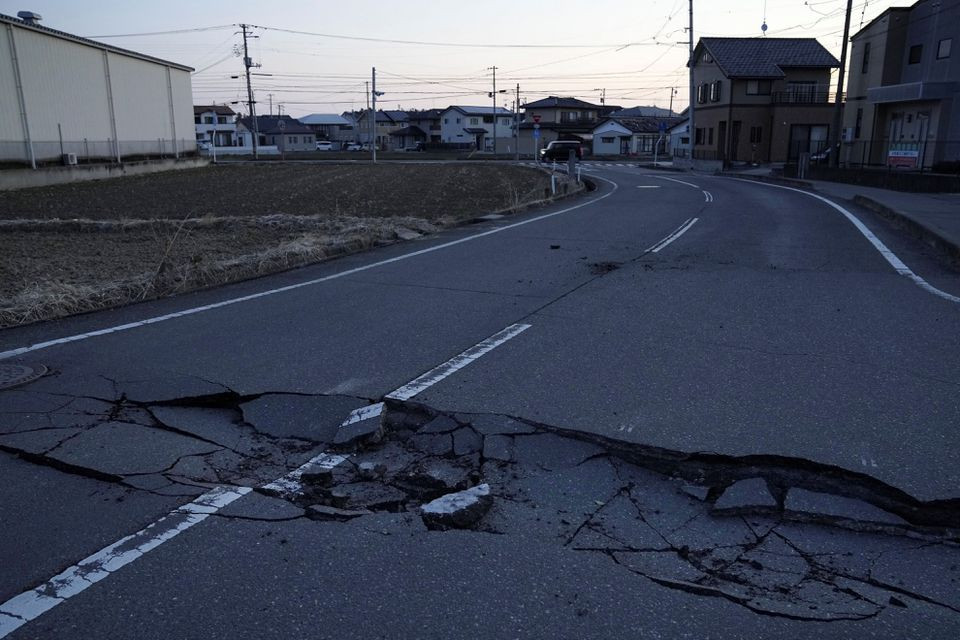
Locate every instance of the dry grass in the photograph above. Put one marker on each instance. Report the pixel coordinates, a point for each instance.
(52, 267)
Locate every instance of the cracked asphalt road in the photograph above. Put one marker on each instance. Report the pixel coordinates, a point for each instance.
(748, 433)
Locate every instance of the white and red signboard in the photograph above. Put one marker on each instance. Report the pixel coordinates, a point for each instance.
(906, 158)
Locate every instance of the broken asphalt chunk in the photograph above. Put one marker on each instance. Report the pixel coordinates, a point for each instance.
(498, 448)
(369, 431)
(325, 512)
(745, 494)
(459, 510)
(466, 442)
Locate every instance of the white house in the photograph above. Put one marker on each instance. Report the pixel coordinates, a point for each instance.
(215, 124)
(475, 125)
(331, 126)
(631, 136)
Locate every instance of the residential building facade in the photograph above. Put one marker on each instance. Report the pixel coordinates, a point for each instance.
(761, 99)
(475, 126)
(283, 132)
(215, 125)
(332, 127)
(559, 118)
(616, 136)
(64, 95)
(428, 121)
(387, 122)
(903, 93)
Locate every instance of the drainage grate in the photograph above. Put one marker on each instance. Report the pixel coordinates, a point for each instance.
(12, 375)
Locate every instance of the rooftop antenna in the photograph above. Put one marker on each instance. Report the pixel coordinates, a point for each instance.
(763, 27)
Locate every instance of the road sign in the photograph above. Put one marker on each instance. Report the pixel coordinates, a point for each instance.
(536, 118)
(536, 133)
(536, 126)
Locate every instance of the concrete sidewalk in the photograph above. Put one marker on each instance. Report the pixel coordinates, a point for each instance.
(932, 217)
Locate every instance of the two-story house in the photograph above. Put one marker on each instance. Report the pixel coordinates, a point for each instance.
(283, 132)
(559, 118)
(903, 94)
(387, 122)
(761, 99)
(475, 125)
(215, 124)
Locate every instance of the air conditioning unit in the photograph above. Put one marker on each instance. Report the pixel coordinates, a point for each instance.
(69, 158)
(848, 134)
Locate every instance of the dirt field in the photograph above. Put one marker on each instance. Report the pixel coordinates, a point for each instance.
(84, 246)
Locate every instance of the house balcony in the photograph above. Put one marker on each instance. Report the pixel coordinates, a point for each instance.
(802, 97)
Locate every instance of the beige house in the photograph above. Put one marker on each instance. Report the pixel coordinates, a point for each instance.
(761, 99)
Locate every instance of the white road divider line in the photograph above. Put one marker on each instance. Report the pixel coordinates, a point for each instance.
(27, 606)
(898, 265)
(261, 294)
(648, 186)
(456, 363)
(689, 184)
(708, 197)
(673, 236)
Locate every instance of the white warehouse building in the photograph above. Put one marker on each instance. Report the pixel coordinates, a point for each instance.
(68, 98)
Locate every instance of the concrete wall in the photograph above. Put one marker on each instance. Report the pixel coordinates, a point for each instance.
(45, 176)
(92, 93)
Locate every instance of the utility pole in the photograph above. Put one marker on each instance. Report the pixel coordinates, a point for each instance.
(247, 63)
(516, 128)
(494, 99)
(366, 88)
(838, 107)
(603, 96)
(673, 90)
(373, 114)
(692, 126)
(270, 95)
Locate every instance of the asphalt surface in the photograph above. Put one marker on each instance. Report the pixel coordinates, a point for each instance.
(769, 327)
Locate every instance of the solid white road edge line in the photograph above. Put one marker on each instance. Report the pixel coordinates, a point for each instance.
(895, 262)
(187, 312)
(27, 606)
(673, 236)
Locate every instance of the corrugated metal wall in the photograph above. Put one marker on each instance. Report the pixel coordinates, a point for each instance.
(70, 84)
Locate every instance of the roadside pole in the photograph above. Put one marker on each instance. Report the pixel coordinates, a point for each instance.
(373, 114)
(536, 138)
(247, 63)
(692, 126)
(834, 158)
(516, 122)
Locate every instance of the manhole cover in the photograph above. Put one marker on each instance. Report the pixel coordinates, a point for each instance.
(12, 375)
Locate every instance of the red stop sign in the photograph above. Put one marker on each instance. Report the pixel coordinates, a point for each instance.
(536, 118)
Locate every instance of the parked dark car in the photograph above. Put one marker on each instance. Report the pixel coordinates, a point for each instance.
(560, 150)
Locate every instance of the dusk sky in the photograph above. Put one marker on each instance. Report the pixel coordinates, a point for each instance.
(635, 51)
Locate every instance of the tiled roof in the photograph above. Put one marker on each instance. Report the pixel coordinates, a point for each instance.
(425, 114)
(556, 101)
(219, 109)
(764, 57)
(324, 119)
(271, 125)
(642, 112)
(643, 125)
(412, 130)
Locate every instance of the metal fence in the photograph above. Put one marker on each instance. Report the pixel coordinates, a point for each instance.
(937, 155)
(18, 153)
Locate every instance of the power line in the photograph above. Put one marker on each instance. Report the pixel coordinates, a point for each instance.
(165, 33)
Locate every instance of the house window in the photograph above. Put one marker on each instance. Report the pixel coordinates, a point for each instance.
(866, 57)
(446, 121)
(856, 131)
(196, 119)
(208, 119)
(458, 120)
(706, 57)
(758, 87)
(699, 135)
(474, 120)
(607, 139)
(505, 121)
(702, 93)
(488, 119)
(756, 135)
(710, 136)
(943, 49)
(916, 52)
(715, 91)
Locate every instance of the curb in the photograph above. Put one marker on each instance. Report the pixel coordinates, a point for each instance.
(789, 182)
(912, 225)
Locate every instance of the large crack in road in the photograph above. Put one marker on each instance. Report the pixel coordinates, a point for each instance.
(782, 537)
